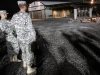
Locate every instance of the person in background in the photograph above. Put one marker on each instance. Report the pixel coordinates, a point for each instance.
(97, 18)
(26, 35)
(6, 27)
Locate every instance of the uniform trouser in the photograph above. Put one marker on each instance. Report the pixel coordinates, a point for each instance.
(12, 45)
(27, 54)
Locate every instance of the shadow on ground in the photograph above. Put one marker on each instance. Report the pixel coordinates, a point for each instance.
(79, 55)
(87, 48)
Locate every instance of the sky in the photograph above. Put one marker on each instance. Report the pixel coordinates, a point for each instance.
(9, 4)
(12, 7)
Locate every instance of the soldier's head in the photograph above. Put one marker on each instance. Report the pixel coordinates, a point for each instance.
(22, 5)
(3, 14)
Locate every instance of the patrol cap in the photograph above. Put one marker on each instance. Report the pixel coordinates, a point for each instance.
(21, 2)
(3, 12)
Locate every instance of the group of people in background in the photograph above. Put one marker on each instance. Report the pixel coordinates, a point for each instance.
(26, 35)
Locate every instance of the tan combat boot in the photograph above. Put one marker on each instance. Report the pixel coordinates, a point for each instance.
(31, 70)
(11, 59)
(24, 64)
(15, 59)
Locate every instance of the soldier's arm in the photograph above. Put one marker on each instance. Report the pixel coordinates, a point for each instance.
(1, 26)
(13, 20)
(4, 28)
(9, 28)
(12, 23)
(30, 27)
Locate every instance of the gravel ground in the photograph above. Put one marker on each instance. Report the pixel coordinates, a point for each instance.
(63, 49)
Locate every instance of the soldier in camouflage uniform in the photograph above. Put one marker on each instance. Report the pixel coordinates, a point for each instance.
(25, 35)
(6, 27)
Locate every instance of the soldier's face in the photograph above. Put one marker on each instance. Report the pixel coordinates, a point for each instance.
(4, 16)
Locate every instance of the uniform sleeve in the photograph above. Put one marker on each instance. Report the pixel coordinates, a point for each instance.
(9, 29)
(1, 26)
(12, 24)
(30, 27)
(5, 27)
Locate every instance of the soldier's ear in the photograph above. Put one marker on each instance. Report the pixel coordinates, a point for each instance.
(22, 5)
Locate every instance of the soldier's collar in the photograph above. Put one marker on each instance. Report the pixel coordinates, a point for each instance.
(3, 19)
(22, 11)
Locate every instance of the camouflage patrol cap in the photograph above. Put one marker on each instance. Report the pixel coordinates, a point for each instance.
(3, 12)
(21, 2)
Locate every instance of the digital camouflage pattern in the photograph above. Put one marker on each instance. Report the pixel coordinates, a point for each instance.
(6, 27)
(25, 35)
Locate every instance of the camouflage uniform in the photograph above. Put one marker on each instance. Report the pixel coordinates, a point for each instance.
(11, 39)
(25, 35)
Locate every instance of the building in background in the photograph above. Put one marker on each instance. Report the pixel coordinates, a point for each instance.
(55, 9)
(48, 9)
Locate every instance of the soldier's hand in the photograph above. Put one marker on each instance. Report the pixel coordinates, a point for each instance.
(14, 33)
